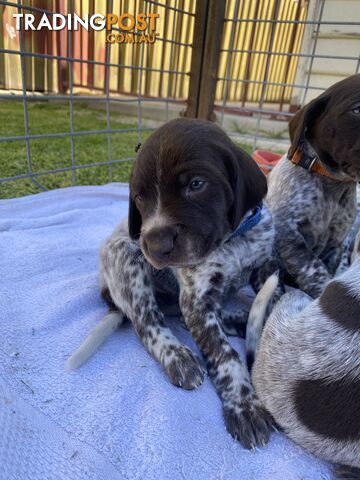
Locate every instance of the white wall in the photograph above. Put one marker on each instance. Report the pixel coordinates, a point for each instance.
(339, 40)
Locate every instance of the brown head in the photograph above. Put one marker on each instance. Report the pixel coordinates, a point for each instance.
(331, 124)
(190, 187)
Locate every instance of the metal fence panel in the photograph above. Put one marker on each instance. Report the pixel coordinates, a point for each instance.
(300, 48)
(260, 41)
(274, 56)
(78, 66)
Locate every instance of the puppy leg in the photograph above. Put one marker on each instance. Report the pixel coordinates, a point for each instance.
(234, 323)
(334, 258)
(126, 274)
(200, 301)
(234, 320)
(308, 270)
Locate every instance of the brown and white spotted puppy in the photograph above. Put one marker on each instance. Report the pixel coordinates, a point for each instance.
(191, 187)
(313, 212)
(307, 368)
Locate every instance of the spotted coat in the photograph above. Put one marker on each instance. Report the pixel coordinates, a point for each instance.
(307, 369)
(129, 279)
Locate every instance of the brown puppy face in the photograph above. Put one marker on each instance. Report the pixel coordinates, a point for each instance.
(190, 186)
(331, 123)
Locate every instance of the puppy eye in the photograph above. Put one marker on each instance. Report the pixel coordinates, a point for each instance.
(195, 185)
(356, 110)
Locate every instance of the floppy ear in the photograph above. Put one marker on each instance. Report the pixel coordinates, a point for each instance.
(304, 119)
(248, 184)
(134, 220)
(134, 216)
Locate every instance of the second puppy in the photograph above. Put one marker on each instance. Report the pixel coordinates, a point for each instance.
(312, 192)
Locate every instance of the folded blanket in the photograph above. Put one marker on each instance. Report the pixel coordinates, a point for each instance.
(117, 417)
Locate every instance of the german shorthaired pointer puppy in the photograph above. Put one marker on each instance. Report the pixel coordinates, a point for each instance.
(307, 367)
(196, 214)
(312, 191)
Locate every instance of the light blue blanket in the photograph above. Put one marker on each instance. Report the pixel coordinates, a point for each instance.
(117, 417)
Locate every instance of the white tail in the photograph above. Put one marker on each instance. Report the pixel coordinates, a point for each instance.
(356, 250)
(257, 316)
(95, 338)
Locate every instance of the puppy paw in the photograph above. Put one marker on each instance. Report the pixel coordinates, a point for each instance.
(249, 423)
(183, 368)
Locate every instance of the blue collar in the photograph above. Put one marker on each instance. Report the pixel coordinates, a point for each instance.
(248, 223)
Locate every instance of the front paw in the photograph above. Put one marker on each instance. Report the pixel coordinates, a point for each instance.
(249, 423)
(183, 368)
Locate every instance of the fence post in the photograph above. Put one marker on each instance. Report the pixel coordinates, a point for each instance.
(62, 50)
(196, 58)
(209, 21)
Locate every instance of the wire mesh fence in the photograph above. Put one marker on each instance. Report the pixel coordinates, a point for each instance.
(322, 48)
(73, 107)
(109, 82)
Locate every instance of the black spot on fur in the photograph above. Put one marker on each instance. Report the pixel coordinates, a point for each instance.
(347, 473)
(217, 279)
(224, 382)
(245, 391)
(339, 304)
(134, 262)
(329, 408)
(230, 355)
(209, 306)
(250, 360)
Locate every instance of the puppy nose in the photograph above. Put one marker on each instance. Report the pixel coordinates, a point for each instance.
(160, 242)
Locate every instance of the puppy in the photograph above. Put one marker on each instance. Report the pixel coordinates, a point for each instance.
(312, 191)
(195, 218)
(307, 367)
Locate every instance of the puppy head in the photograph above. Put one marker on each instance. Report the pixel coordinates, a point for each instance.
(331, 123)
(190, 186)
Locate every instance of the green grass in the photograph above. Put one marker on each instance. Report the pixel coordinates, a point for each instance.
(55, 153)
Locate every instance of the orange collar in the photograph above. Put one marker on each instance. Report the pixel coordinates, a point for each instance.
(312, 164)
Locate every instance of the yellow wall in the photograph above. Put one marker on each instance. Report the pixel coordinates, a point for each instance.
(165, 55)
(261, 36)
